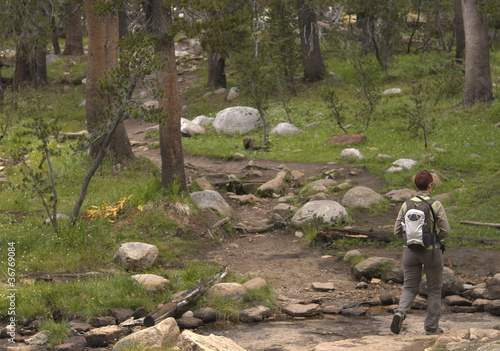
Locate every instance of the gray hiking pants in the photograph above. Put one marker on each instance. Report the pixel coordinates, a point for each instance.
(432, 262)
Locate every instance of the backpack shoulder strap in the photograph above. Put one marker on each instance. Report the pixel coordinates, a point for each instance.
(432, 211)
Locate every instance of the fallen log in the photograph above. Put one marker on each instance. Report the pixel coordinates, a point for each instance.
(327, 235)
(495, 225)
(170, 308)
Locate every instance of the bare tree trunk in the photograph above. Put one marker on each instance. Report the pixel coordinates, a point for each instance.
(478, 86)
(73, 29)
(459, 31)
(55, 37)
(38, 67)
(314, 68)
(216, 70)
(103, 54)
(172, 158)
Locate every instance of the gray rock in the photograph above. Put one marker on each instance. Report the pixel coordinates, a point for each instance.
(351, 153)
(239, 119)
(206, 314)
(189, 322)
(102, 321)
(405, 163)
(190, 129)
(204, 184)
(203, 121)
(392, 91)
(151, 104)
(353, 312)
(211, 200)
(321, 182)
(233, 291)
(255, 284)
(394, 274)
(195, 342)
(326, 210)
(361, 196)
(162, 335)
(351, 254)
(73, 343)
(400, 195)
(451, 283)
(299, 310)
(455, 300)
(275, 185)
(284, 209)
(370, 268)
(122, 314)
(151, 282)
(493, 307)
(234, 93)
(255, 314)
(104, 336)
(318, 286)
(135, 255)
(285, 129)
(386, 298)
(39, 339)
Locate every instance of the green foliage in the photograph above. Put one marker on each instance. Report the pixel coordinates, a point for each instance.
(58, 331)
(35, 139)
(417, 117)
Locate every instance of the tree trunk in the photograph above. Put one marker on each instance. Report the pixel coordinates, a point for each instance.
(314, 69)
(172, 158)
(38, 67)
(122, 24)
(216, 70)
(459, 31)
(103, 54)
(478, 85)
(73, 29)
(21, 69)
(55, 37)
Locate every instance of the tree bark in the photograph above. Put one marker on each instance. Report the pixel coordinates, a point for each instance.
(216, 70)
(103, 54)
(459, 31)
(172, 158)
(73, 29)
(478, 86)
(314, 68)
(55, 37)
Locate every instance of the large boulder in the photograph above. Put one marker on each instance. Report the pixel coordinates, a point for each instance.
(203, 121)
(162, 335)
(238, 119)
(361, 196)
(195, 342)
(211, 200)
(327, 210)
(136, 255)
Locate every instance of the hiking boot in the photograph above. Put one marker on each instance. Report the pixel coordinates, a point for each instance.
(397, 321)
(434, 332)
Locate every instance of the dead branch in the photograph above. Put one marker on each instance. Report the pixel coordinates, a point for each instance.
(495, 225)
(170, 308)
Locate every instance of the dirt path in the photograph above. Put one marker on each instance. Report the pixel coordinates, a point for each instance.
(291, 265)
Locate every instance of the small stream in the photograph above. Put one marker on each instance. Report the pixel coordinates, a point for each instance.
(305, 334)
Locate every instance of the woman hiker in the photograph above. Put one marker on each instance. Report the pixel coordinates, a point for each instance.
(418, 253)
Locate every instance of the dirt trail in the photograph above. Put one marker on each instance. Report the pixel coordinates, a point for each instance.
(291, 266)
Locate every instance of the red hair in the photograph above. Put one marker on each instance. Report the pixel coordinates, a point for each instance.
(423, 179)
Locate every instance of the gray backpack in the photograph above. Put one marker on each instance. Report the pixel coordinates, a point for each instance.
(419, 229)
